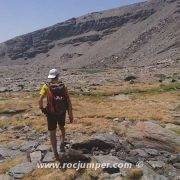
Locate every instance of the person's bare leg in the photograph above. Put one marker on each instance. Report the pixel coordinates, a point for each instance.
(54, 142)
(62, 128)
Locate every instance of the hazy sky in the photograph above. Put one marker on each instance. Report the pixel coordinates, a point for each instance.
(18, 17)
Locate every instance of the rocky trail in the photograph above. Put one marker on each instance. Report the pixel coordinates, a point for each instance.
(148, 146)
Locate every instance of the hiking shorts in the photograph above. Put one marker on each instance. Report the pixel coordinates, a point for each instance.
(53, 120)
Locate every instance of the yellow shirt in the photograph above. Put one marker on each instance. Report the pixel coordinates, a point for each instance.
(44, 90)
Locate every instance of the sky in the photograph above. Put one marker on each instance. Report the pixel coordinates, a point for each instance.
(18, 17)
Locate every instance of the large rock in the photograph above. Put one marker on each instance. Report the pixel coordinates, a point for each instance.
(149, 174)
(100, 141)
(20, 170)
(49, 157)
(43, 148)
(35, 156)
(152, 135)
(175, 158)
(30, 145)
(74, 156)
(5, 177)
(139, 152)
(5, 152)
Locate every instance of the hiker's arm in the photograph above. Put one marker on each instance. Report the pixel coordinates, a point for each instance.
(41, 101)
(70, 113)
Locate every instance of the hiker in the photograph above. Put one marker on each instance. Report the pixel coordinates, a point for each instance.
(58, 102)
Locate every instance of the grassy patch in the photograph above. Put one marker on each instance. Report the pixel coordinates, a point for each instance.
(176, 130)
(160, 88)
(12, 112)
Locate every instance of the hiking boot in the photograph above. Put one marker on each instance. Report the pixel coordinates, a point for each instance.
(62, 148)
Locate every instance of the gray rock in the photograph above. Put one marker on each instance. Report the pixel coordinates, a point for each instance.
(152, 152)
(35, 156)
(156, 164)
(149, 174)
(26, 129)
(176, 165)
(20, 170)
(132, 159)
(109, 162)
(4, 117)
(151, 135)
(175, 158)
(43, 147)
(165, 154)
(3, 89)
(5, 152)
(5, 177)
(168, 170)
(49, 157)
(73, 156)
(1, 130)
(139, 152)
(30, 145)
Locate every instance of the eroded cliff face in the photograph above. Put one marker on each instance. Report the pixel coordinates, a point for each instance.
(140, 39)
(27, 46)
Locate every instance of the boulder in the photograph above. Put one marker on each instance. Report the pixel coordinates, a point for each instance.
(49, 157)
(43, 148)
(30, 145)
(5, 152)
(35, 156)
(152, 135)
(20, 170)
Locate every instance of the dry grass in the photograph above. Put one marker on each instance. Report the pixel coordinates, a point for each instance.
(91, 113)
(125, 87)
(10, 163)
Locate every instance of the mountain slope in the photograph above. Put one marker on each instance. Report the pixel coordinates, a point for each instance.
(137, 35)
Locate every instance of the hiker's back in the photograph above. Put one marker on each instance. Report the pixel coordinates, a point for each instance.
(56, 98)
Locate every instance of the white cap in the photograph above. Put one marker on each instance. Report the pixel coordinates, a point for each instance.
(53, 73)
